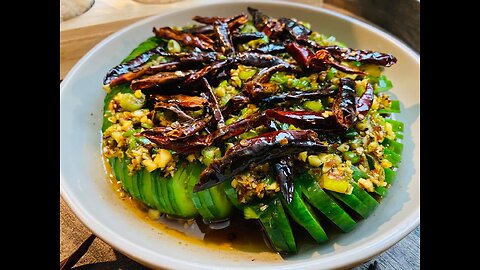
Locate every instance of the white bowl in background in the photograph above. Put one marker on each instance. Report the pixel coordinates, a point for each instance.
(83, 182)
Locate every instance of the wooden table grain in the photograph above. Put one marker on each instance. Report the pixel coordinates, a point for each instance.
(403, 255)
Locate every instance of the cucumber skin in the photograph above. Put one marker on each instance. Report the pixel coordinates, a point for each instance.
(171, 192)
(182, 199)
(302, 214)
(232, 195)
(317, 197)
(158, 196)
(222, 204)
(393, 145)
(162, 192)
(147, 190)
(353, 202)
(119, 174)
(211, 203)
(272, 216)
(153, 190)
(132, 178)
(277, 227)
(364, 197)
(174, 195)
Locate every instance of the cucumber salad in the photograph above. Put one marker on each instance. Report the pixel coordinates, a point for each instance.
(254, 115)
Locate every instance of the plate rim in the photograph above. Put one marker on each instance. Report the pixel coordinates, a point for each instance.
(130, 249)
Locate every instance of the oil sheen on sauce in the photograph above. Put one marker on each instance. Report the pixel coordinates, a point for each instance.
(236, 233)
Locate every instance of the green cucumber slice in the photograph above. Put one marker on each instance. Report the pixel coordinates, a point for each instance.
(317, 197)
(203, 211)
(223, 206)
(160, 197)
(182, 200)
(301, 213)
(394, 108)
(147, 191)
(171, 191)
(197, 197)
(232, 195)
(138, 179)
(150, 43)
(212, 203)
(119, 174)
(357, 173)
(162, 192)
(393, 145)
(112, 162)
(393, 157)
(363, 196)
(123, 88)
(389, 175)
(353, 202)
(397, 126)
(382, 191)
(132, 179)
(276, 225)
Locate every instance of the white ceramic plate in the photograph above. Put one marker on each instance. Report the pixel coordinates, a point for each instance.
(83, 182)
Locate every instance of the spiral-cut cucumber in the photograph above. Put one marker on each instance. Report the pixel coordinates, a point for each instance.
(174, 195)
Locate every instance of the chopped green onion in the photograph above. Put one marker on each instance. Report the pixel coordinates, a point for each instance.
(352, 156)
(249, 27)
(130, 102)
(143, 140)
(173, 46)
(357, 173)
(128, 133)
(223, 83)
(331, 73)
(356, 63)
(209, 153)
(231, 121)
(146, 125)
(247, 135)
(351, 133)
(246, 74)
(315, 106)
(279, 77)
(383, 84)
(301, 83)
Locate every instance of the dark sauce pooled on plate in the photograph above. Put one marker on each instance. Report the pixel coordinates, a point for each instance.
(234, 233)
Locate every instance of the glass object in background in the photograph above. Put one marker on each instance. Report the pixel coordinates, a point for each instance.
(156, 1)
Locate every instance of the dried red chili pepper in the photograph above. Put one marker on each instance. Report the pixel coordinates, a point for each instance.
(257, 150)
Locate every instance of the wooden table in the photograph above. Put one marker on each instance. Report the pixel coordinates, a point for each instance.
(79, 35)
